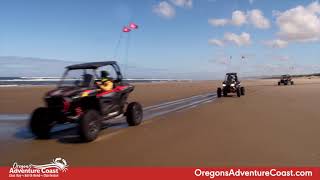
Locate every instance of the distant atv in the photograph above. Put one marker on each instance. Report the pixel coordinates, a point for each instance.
(80, 100)
(231, 84)
(286, 80)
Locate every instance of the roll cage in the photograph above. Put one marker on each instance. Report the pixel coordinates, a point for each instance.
(92, 66)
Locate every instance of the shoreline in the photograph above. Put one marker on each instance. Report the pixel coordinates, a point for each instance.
(24, 99)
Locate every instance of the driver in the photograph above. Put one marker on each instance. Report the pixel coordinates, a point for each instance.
(106, 83)
(87, 78)
(231, 78)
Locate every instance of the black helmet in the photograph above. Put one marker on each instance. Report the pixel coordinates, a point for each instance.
(104, 74)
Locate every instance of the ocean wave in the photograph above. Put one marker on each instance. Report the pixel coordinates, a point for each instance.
(8, 85)
(33, 80)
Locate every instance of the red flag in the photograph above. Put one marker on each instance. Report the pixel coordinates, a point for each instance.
(126, 29)
(133, 26)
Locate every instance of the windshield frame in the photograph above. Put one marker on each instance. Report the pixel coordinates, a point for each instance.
(84, 71)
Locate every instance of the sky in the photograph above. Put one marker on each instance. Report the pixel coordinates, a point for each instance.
(183, 38)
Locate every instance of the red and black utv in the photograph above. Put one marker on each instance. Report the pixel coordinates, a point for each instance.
(79, 100)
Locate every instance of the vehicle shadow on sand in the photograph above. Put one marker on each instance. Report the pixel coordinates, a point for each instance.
(74, 138)
(68, 134)
(230, 96)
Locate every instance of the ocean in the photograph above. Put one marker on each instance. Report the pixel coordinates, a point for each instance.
(44, 81)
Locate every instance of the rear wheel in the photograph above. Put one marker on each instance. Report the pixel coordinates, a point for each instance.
(292, 83)
(219, 92)
(134, 114)
(90, 125)
(242, 91)
(41, 123)
(279, 83)
(238, 92)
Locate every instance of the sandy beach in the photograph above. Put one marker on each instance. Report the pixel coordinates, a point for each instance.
(26, 99)
(270, 126)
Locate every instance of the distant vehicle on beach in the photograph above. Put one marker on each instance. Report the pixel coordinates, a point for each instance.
(285, 80)
(231, 84)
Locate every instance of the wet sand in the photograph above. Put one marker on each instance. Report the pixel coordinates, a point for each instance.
(270, 126)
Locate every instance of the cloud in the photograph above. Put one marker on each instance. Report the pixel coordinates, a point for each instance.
(238, 18)
(221, 58)
(216, 42)
(281, 58)
(218, 22)
(254, 17)
(221, 61)
(251, 1)
(300, 24)
(164, 9)
(182, 3)
(276, 43)
(239, 40)
(167, 10)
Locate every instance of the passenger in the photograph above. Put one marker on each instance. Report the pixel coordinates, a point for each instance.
(106, 83)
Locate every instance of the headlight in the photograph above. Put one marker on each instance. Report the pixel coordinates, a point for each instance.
(232, 84)
(223, 84)
(75, 97)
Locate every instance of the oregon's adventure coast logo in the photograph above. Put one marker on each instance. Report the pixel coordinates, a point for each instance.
(46, 170)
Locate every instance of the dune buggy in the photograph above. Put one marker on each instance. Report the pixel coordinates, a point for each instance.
(286, 80)
(231, 84)
(80, 100)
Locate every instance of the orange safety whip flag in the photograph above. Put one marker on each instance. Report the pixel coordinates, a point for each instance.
(126, 29)
(133, 26)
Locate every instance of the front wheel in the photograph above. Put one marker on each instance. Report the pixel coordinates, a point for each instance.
(279, 83)
(90, 125)
(134, 114)
(243, 92)
(292, 83)
(41, 123)
(238, 92)
(219, 92)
